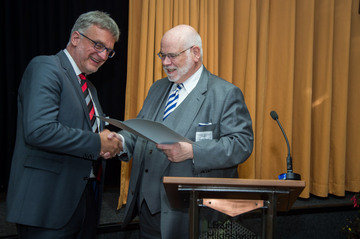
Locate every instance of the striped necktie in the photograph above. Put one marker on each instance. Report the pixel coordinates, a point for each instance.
(172, 101)
(89, 103)
(97, 165)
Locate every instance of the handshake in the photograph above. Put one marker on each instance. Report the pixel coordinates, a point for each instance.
(111, 144)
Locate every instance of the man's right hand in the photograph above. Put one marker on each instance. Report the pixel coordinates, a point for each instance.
(110, 146)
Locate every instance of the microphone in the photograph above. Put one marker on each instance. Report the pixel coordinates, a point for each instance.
(290, 175)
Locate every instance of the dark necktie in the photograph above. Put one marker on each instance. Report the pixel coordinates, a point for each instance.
(97, 165)
(89, 103)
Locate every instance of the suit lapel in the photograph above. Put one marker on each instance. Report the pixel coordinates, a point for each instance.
(155, 102)
(72, 77)
(191, 105)
(183, 117)
(180, 120)
(97, 104)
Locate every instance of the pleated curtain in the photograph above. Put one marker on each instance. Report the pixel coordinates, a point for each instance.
(297, 57)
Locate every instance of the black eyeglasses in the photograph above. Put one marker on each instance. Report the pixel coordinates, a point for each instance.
(171, 56)
(100, 47)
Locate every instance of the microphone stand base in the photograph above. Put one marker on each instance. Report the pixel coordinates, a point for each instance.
(293, 176)
(289, 176)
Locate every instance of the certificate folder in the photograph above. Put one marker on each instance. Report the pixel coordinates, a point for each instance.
(149, 130)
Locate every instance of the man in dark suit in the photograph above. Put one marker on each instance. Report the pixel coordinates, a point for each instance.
(209, 111)
(53, 174)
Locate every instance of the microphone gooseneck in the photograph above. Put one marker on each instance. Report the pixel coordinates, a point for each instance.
(289, 175)
(275, 117)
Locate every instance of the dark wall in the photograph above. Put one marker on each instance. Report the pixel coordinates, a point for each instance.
(42, 27)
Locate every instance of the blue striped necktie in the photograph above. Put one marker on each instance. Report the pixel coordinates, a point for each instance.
(172, 101)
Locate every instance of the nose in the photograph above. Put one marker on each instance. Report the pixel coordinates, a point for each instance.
(166, 61)
(104, 55)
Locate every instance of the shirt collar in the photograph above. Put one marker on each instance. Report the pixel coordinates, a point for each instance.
(192, 81)
(73, 64)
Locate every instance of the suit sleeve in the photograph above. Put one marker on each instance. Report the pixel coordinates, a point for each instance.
(51, 119)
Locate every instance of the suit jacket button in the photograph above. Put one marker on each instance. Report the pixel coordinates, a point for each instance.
(150, 151)
(146, 170)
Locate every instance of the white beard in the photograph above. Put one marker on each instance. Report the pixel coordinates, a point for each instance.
(180, 71)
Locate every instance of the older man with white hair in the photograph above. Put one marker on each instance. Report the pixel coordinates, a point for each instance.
(200, 106)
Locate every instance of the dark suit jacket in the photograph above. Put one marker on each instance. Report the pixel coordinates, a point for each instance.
(215, 102)
(55, 146)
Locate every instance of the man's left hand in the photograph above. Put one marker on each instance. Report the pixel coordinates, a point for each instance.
(177, 152)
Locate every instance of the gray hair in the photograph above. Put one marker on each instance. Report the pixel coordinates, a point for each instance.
(98, 18)
(195, 40)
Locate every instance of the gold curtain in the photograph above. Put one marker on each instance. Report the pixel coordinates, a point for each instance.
(297, 57)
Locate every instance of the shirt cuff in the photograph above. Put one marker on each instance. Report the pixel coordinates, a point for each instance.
(123, 143)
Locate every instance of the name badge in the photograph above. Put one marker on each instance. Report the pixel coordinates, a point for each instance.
(203, 135)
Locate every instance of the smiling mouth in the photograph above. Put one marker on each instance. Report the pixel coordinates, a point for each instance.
(93, 59)
(170, 70)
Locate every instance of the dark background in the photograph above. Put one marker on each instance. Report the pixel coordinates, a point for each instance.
(42, 27)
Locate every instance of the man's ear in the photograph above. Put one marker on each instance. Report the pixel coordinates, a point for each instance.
(75, 38)
(196, 53)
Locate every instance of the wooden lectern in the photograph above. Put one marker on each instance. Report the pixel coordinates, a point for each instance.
(277, 195)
